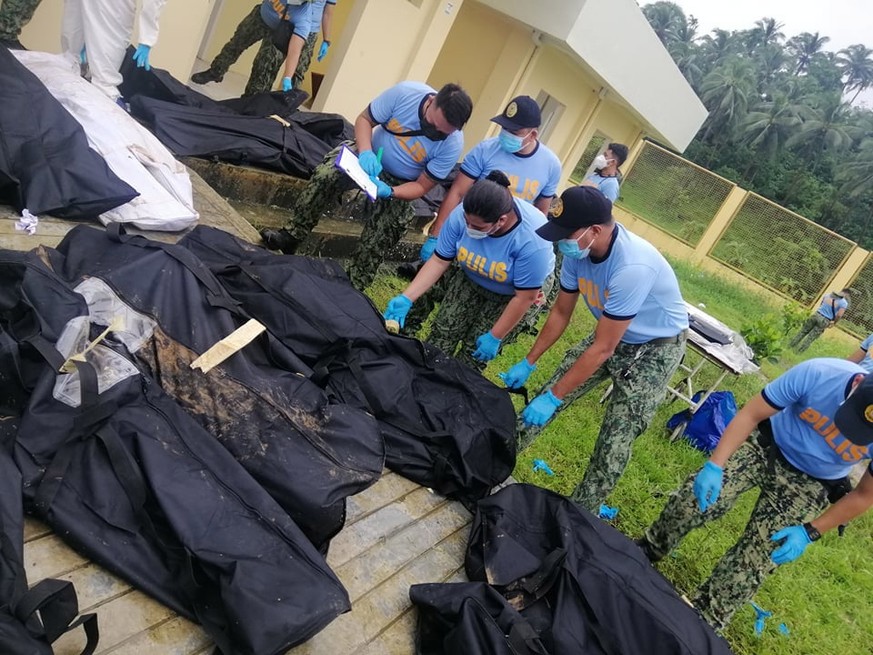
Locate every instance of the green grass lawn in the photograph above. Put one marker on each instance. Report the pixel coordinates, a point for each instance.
(825, 598)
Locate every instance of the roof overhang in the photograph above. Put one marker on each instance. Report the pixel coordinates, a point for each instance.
(613, 40)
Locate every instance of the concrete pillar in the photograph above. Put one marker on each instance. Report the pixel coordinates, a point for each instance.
(848, 271)
(585, 128)
(720, 223)
(384, 42)
(635, 147)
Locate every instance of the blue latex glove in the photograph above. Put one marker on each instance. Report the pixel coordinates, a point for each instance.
(83, 56)
(427, 248)
(322, 51)
(370, 163)
(287, 84)
(540, 409)
(487, 346)
(761, 616)
(515, 377)
(707, 485)
(397, 309)
(382, 190)
(540, 465)
(796, 541)
(141, 56)
(606, 512)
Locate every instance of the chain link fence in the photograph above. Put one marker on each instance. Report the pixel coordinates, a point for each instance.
(858, 319)
(672, 193)
(594, 145)
(783, 250)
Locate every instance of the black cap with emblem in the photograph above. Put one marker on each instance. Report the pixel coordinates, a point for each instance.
(520, 113)
(577, 208)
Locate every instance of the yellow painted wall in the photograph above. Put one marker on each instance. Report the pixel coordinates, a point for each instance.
(386, 41)
(232, 12)
(341, 14)
(486, 54)
(182, 25)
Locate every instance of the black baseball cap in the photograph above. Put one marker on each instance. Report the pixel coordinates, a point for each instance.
(854, 418)
(578, 207)
(521, 112)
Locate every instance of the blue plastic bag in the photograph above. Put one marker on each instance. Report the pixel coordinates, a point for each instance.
(705, 427)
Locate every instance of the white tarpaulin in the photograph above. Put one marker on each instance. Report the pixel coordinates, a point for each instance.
(133, 153)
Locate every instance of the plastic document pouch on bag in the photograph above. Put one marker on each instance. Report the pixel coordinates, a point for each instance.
(347, 162)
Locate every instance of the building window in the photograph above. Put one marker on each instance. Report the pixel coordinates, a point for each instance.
(583, 168)
(551, 111)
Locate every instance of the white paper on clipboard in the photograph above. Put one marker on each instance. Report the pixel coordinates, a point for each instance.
(348, 163)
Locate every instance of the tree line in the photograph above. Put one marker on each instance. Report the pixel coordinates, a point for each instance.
(783, 120)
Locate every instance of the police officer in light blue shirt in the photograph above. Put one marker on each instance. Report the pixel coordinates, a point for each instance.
(533, 170)
(638, 342)
(863, 357)
(492, 237)
(606, 170)
(808, 429)
(833, 306)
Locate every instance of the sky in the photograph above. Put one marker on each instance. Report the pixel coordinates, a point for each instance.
(844, 21)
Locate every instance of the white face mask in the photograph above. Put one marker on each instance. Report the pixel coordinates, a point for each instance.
(477, 234)
(600, 161)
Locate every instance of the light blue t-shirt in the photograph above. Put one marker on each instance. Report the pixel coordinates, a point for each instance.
(608, 185)
(317, 13)
(867, 362)
(831, 304)
(519, 259)
(273, 10)
(530, 176)
(633, 281)
(809, 395)
(399, 109)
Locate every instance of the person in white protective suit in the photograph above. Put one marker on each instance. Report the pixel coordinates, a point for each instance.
(103, 29)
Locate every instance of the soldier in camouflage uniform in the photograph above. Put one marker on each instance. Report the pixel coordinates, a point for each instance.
(268, 60)
(417, 133)
(638, 343)
(501, 265)
(796, 441)
(14, 15)
(829, 313)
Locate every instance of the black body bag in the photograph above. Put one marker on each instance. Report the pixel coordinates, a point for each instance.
(445, 426)
(569, 584)
(130, 480)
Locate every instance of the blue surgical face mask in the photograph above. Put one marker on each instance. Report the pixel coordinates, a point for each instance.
(509, 142)
(570, 247)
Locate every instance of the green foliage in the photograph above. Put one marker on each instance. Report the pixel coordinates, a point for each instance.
(764, 336)
(778, 123)
(793, 316)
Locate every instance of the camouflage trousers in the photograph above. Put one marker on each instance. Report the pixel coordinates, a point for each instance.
(424, 306)
(811, 330)
(385, 220)
(550, 289)
(788, 497)
(268, 61)
(640, 374)
(467, 311)
(305, 60)
(14, 15)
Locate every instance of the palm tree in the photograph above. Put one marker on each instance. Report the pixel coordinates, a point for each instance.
(857, 174)
(719, 46)
(804, 46)
(856, 66)
(767, 127)
(666, 18)
(768, 28)
(824, 129)
(725, 92)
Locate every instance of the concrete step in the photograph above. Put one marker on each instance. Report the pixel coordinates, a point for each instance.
(332, 237)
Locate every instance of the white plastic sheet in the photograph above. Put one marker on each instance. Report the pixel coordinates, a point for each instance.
(133, 153)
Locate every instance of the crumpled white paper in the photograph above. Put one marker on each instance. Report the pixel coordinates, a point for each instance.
(27, 223)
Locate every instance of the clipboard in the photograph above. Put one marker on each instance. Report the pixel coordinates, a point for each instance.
(347, 162)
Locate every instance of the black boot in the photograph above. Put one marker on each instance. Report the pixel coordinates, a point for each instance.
(408, 270)
(207, 76)
(647, 549)
(280, 240)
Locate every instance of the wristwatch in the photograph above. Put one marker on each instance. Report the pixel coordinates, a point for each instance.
(811, 532)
